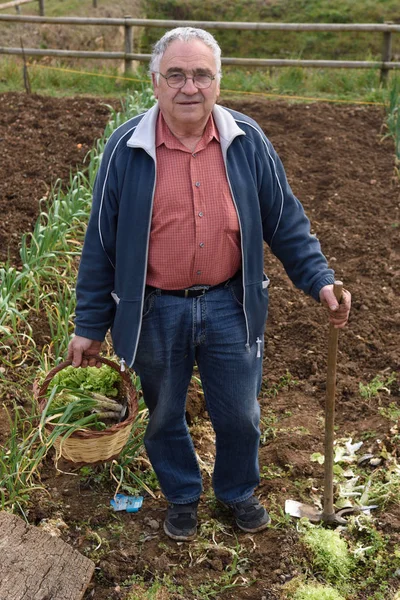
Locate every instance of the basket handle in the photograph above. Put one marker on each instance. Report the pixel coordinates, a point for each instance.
(40, 391)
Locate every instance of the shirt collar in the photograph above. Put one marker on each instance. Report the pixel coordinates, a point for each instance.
(166, 137)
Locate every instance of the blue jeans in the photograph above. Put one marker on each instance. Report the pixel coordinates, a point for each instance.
(211, 331)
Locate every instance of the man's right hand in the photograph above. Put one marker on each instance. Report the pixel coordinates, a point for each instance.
(80, 345)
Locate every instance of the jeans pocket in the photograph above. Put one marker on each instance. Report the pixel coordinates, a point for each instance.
(148, 304)
(236, 289)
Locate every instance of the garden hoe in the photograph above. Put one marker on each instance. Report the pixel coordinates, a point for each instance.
(297, 509)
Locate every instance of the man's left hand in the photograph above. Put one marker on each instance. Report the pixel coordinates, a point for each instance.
(338, 313)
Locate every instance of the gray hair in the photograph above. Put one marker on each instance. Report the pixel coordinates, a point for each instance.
(185, 34)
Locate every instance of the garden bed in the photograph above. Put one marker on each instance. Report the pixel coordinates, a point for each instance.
(343, 173)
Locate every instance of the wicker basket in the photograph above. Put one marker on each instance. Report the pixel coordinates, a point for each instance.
(86, 446)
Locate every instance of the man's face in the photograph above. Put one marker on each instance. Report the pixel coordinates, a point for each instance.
(187, 107)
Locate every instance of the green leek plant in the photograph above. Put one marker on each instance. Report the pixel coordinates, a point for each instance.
(28, 445)
(45, 285)
(20, 459)
(122, 469)
(13, 308)
(59, 315)
(393, 121)
(69, 411)
(49, 252)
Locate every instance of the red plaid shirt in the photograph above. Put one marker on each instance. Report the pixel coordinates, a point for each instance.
(195, 235)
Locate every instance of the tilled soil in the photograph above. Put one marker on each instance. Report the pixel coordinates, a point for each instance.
(343, 172)
(41, 141)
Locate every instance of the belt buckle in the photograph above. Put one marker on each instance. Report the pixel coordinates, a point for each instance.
(197, 288)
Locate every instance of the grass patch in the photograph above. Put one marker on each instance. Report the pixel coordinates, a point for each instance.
(347, 85)
(158, 589)
(317, 592)
(352, 85)
(377, 561)
(282, 44)
(331, 558)
(284, 382)
(66, 79)
(391, 412)
(375, 386)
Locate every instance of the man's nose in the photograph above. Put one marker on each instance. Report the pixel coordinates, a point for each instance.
(189, 87)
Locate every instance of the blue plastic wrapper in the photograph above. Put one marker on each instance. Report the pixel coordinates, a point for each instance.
(130, 504)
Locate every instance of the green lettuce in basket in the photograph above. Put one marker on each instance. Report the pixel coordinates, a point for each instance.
(101, 381)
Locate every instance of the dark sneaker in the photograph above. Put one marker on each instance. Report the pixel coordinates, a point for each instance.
(181, 521)
(250, 515)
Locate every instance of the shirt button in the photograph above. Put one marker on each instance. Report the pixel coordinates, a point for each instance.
(194, 154)
(201, 244)
(201, 214)
(197, 184)
(198, 272)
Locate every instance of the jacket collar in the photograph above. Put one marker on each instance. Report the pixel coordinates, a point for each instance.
(227, 127)
(144, 135)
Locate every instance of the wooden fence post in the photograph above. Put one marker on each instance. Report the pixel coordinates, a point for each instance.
(386, 56)
(128, 32)
(41, 8)
(94, 3)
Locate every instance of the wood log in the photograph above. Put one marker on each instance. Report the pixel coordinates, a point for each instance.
(37, 566)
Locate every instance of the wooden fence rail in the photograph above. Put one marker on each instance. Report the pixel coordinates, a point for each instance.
(18, 3)
(393, 27)
(385, 65)
(14, 3)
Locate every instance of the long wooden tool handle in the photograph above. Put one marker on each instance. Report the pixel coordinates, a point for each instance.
(329, 511)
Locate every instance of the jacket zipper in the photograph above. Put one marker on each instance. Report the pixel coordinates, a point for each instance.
(144, 279)
(122, 360)
(241, 247)
(258, 341)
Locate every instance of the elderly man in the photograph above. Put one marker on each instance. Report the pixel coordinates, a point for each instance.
(185, 197)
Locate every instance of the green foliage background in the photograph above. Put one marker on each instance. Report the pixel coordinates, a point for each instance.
(283, 44)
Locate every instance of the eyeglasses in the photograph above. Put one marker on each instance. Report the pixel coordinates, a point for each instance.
(178, 80)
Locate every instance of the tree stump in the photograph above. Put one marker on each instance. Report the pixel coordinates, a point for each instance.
(37, 566)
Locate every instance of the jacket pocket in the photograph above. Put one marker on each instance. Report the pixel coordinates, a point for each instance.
(266, 282)
(125, 329)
